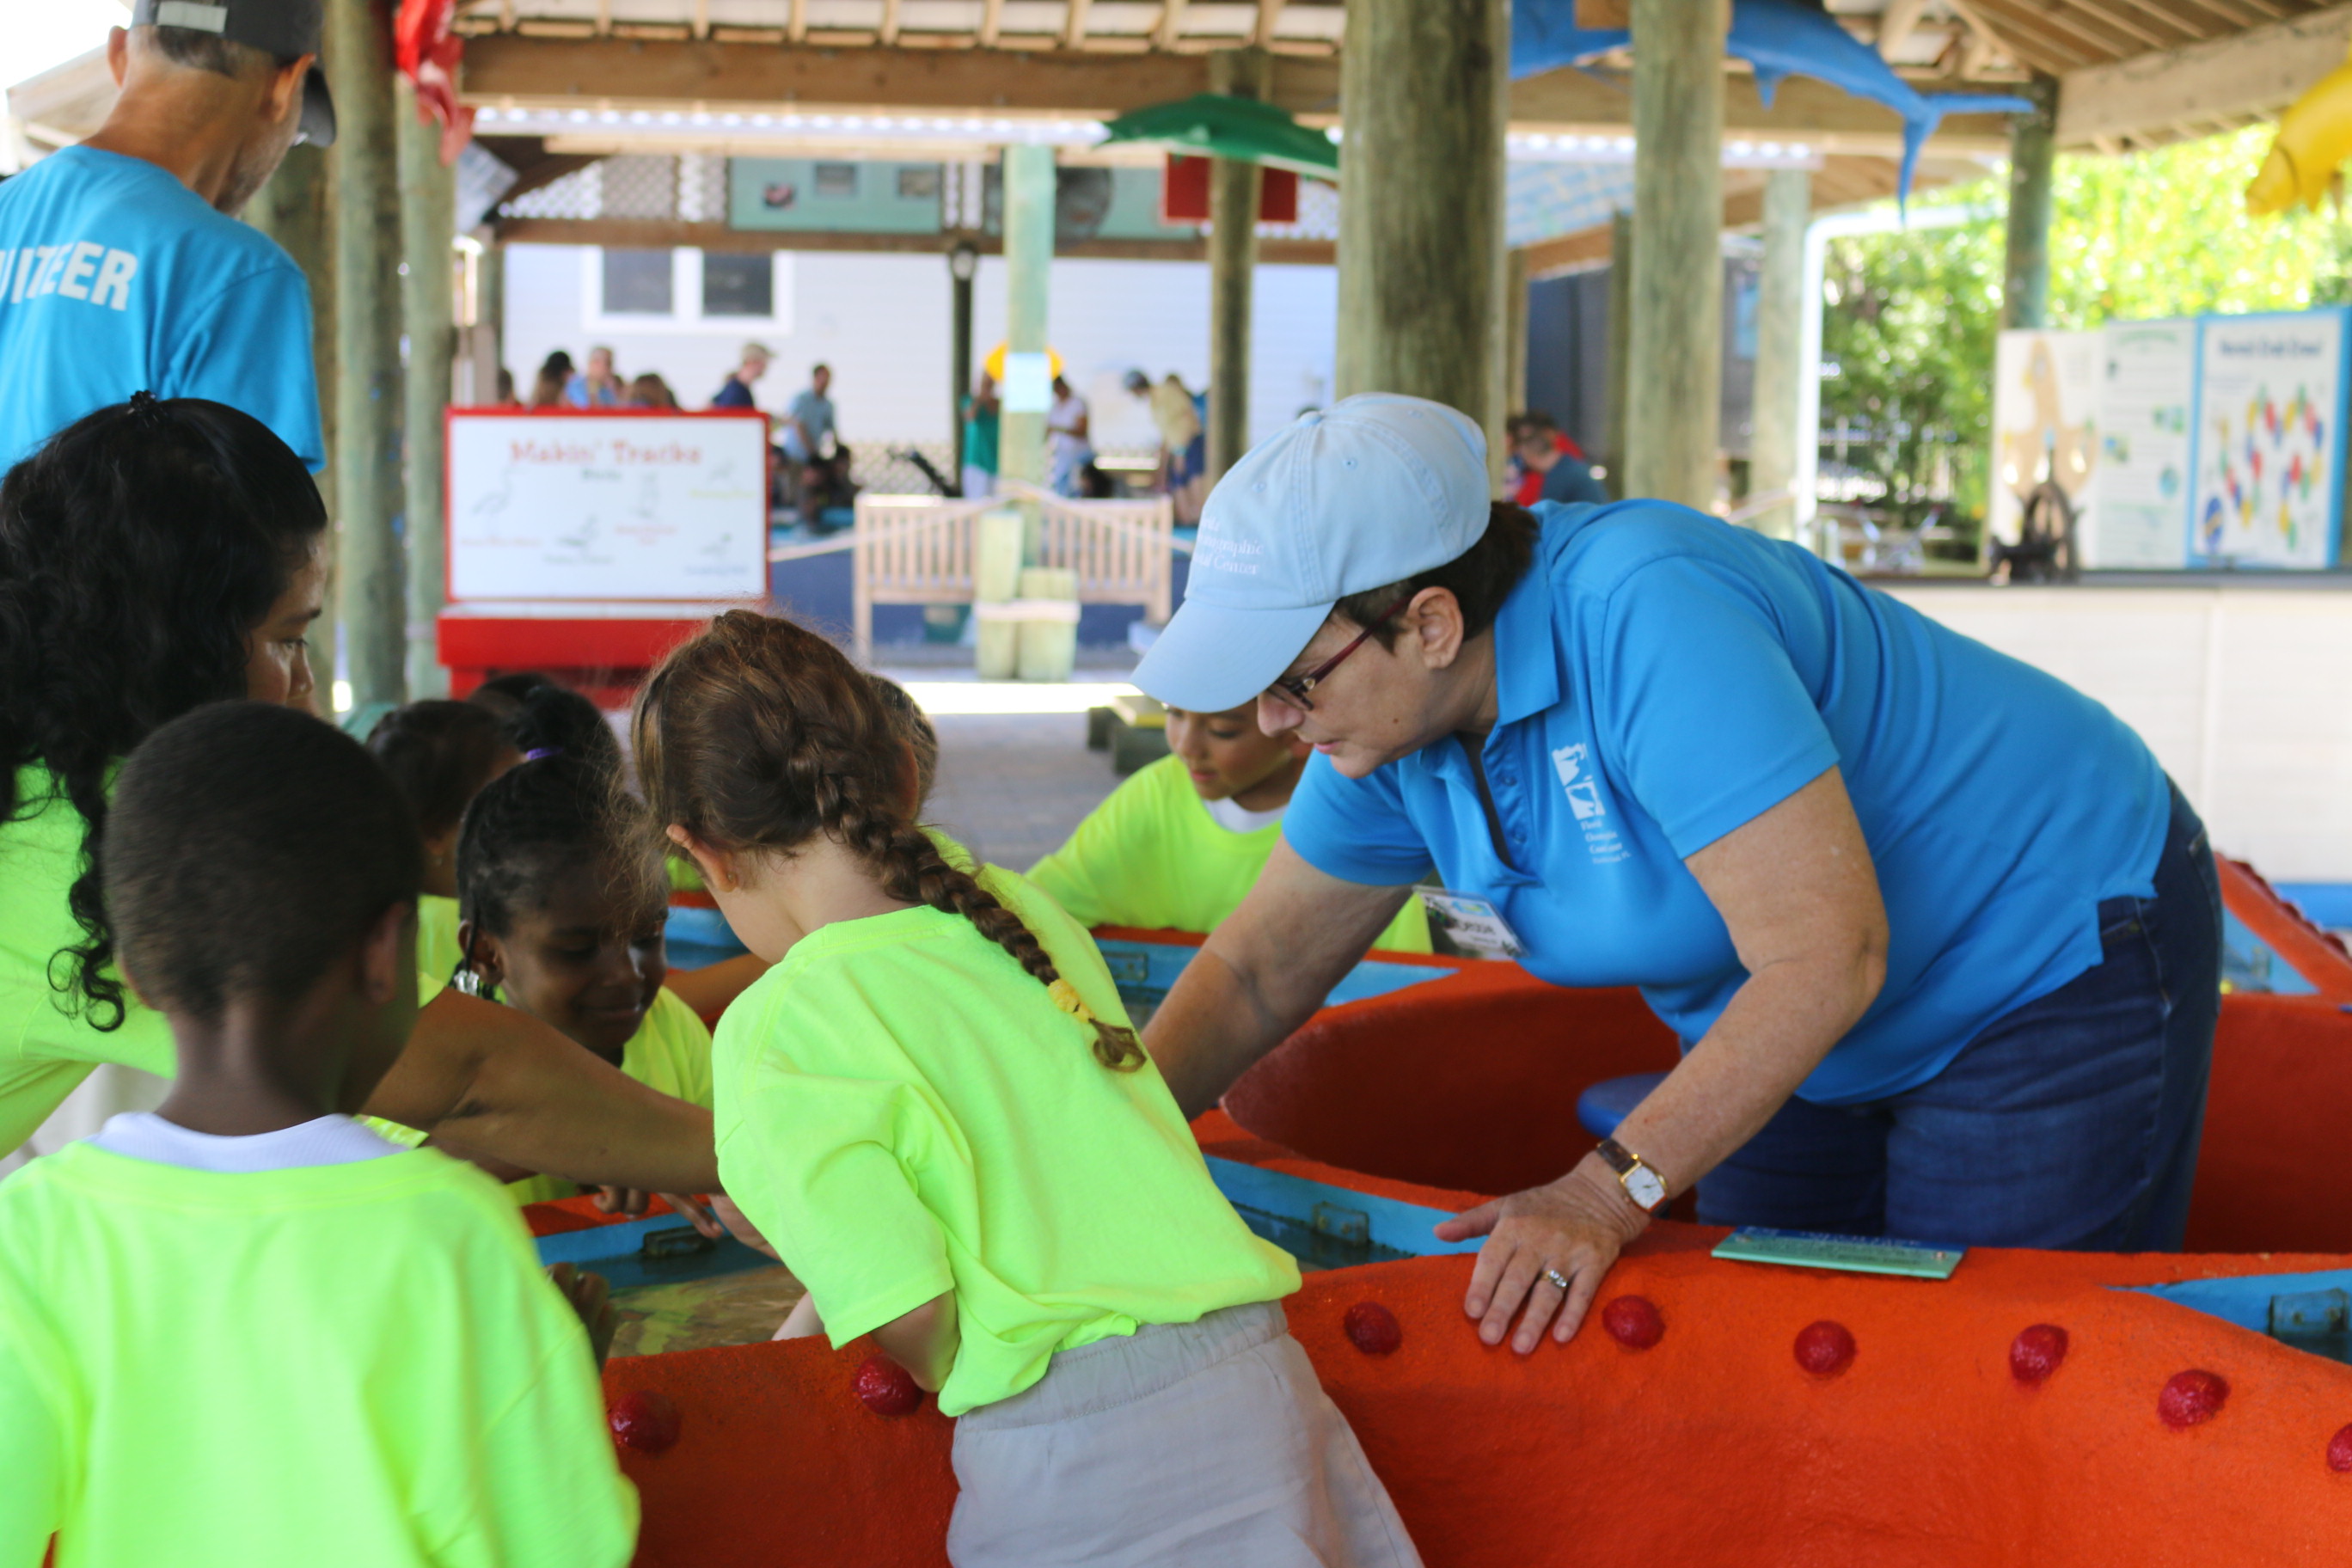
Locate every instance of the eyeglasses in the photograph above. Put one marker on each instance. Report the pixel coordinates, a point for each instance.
(1293, 689)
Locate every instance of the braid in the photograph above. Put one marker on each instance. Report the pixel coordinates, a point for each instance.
(537, 820)
(761, 733)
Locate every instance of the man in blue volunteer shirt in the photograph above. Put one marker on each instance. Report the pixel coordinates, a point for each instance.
(123, 266)
(1941, 942)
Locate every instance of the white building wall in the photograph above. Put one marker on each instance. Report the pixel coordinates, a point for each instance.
(883, 322)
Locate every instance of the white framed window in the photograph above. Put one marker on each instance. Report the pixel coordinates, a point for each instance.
(723, 292)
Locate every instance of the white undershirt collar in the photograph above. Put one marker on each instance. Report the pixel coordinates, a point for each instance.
(327, 1141)
(1229, 815)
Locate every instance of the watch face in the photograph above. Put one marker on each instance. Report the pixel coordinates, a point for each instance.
(1642, 1185)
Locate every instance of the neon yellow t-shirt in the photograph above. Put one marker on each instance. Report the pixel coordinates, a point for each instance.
(1151, 856)
(902, 1109)
(47, 1046)
(670, 1052)
(359, 1365)
(437, 952)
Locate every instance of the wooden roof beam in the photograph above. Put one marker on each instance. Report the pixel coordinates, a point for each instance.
(2112, 17)
(2070, 43)
(2200, 19)
(1269, 13)
(1171, 25)
(2257, 72)
(663, 234)
(1073, 32)
(2032, 55)
(672, 72)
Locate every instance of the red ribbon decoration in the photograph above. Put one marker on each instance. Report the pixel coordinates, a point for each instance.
(427, 52)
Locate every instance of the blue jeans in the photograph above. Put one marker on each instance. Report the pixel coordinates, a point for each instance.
(2070, 1123)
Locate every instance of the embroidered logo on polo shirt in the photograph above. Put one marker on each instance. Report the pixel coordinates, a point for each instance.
(1600, 840)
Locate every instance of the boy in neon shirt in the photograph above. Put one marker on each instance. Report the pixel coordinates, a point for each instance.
(935, 1110)
(242, 1330)
(1180, 844)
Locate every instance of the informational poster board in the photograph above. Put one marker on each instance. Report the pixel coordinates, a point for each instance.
(2044, 422)
(2269, 449)
(607, 506)
(2138, 513)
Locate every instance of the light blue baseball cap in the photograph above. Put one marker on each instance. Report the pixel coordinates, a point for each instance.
(1366, 492)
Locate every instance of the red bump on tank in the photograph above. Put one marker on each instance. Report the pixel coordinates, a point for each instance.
(2192, 1398)
(2340, 1451)
(1373, 1328)
(1634, 1321)
(646, 1420)
(887, 1388)
(2036, 1354)
(1824, 1348)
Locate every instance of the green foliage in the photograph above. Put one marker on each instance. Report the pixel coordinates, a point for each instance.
(1911, 316)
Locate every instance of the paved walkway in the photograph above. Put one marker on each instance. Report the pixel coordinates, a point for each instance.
(1012, 786)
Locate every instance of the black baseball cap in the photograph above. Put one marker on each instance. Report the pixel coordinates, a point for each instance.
(286, 29)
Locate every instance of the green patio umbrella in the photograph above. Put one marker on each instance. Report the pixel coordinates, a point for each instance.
(1212, 124)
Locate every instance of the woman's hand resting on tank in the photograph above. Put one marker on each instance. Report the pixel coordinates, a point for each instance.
(1576, 1225)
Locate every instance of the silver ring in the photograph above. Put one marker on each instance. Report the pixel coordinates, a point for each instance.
(1556, 1278)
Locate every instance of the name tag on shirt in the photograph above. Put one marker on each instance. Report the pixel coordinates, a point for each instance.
(1473, 926)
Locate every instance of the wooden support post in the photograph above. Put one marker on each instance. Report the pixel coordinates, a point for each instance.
(962, 267)
(2032, 149)
(1234, 187)
(1515, 332)
(486, 340)
(1028, 267)
(1621, 339)
(428, 228)
(296, 208)
(1779, 357)
(1675, 343)
(358, 51)
(1423, 101)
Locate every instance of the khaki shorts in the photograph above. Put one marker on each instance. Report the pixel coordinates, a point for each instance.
(1208, 1442)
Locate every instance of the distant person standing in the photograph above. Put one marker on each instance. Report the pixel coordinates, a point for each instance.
(1183, 441)
(1070, 449)
(547, 391)
(123, 266)
(598, 386)
(980, 428)
(808, 427)
(735, 392)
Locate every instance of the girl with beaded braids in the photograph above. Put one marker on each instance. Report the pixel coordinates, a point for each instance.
(934, 1108)
(155, 557)
(559, 914)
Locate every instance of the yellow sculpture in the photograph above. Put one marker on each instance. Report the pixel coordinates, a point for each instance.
(2315, 135)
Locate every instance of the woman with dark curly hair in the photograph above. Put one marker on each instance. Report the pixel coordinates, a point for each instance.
(155, 557)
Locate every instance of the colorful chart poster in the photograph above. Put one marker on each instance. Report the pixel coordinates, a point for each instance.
(2138, 516)
(2269, 440)
(2045, 402)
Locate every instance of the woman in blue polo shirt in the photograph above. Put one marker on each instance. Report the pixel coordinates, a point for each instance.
(1941, 941)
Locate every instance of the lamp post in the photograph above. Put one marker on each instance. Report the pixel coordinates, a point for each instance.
(963, 263)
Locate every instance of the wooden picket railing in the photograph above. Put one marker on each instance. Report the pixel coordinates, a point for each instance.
(917, 550)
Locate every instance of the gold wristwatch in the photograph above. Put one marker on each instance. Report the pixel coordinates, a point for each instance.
(1644, 1188)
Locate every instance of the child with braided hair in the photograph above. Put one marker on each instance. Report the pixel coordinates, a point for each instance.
(934, 1108)
(561, 908)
